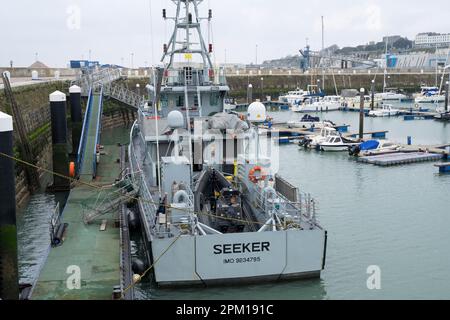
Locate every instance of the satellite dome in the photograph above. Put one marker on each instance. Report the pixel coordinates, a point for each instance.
(175, 120)
(256, 112)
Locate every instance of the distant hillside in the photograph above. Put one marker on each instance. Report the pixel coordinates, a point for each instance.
(287, 62)
(401, 44)
(367, 51)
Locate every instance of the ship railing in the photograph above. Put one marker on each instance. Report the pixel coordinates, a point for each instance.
(179, 77)
(147, 203)
(305, 210)
(98, 130)
(122, 94)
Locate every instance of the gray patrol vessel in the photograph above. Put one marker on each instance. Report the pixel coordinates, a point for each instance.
(212, 207)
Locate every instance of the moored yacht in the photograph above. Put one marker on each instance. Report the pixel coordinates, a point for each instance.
(391, 95)
(430, 95)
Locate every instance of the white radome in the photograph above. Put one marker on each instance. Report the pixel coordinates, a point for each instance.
(175, 120)
(256, 112)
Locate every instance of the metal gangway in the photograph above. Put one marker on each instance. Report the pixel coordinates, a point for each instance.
(90, 136)
(107, 79)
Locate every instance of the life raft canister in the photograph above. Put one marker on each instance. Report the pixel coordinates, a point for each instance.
(253, 178)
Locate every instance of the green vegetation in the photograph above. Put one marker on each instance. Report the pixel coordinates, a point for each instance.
(39, 132)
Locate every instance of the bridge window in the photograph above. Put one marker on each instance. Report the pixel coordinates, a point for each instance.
(180, 101)
(214, 99)
(164, 102)
(196, 100)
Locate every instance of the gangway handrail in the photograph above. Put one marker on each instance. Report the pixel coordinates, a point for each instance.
(84, 133)
(98, 130)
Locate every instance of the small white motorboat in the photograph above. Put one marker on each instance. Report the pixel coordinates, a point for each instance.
(335, 144)
(386, 110)
(314, 141)
(372, 147)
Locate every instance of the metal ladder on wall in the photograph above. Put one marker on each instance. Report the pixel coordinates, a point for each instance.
(25, 146)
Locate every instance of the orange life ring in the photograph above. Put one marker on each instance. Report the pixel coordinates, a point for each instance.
(72, 169)
(252, 177)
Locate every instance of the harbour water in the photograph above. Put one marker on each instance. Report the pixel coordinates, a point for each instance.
(395, 218)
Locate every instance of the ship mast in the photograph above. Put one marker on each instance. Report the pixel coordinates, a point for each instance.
(187, 19)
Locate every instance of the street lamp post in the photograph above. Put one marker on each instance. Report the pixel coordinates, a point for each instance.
(138, 89)
(361, 114)
(262, 89)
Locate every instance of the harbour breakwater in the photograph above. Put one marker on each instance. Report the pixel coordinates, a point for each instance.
(33, 102)
(274, 84)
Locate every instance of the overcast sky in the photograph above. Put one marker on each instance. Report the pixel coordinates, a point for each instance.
(113, 29)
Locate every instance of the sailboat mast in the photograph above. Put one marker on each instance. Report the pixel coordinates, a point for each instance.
(385, 65)
(436, 59)
(323, 51)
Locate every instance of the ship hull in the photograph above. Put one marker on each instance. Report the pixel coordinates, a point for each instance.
(232, 259)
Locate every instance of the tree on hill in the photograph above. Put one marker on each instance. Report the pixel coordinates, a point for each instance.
(403, 43)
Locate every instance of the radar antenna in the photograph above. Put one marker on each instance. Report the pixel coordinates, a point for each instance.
(187, 18)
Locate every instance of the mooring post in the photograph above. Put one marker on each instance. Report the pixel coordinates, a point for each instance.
(250, 94)
(361, 115)
(59, 139)
(372, 103)
(9, 275)
(447, 87)
(76, 117)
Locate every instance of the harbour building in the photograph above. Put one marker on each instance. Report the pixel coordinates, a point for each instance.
(432, 39)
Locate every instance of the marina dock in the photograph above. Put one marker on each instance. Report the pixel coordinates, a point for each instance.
(399, 158)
